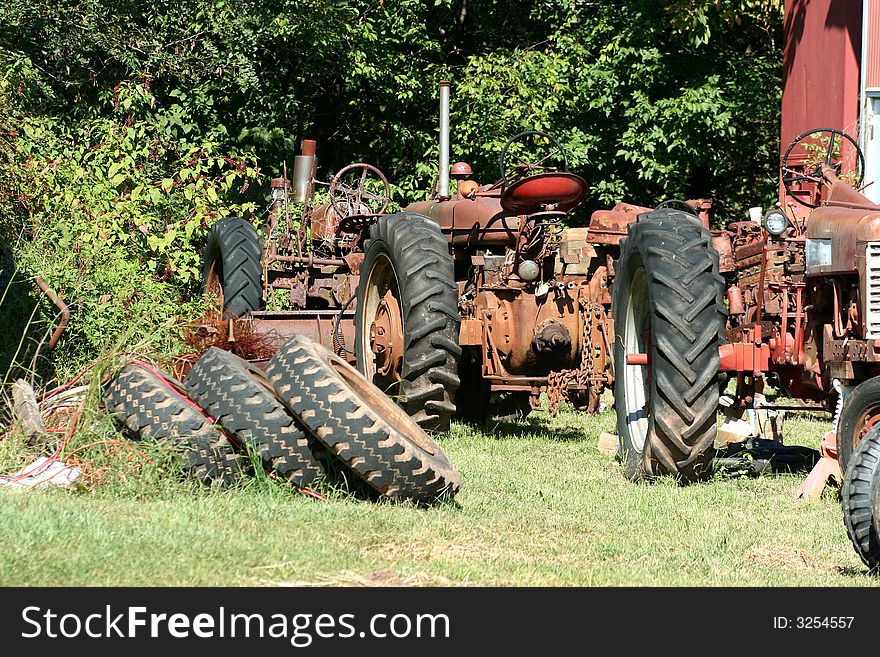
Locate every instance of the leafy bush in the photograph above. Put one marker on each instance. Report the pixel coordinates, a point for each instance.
(112, 212)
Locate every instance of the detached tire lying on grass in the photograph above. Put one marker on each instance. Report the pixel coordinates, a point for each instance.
(860, 498)
(240, 398)
(358, 423)
(149, 405)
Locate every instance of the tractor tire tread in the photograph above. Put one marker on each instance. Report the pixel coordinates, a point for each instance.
(354, 427)
(242, 401)
(146, 409)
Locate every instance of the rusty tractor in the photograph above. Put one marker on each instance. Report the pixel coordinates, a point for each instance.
(479, 300)
(300, 276)
(469, 304)
(792, 296)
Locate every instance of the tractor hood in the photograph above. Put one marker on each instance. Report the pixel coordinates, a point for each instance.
(838, 231)
(480, 221)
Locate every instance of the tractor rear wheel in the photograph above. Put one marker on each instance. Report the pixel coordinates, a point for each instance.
(860, 498)
(860, 412)
(232, 269)
(407, 321)
(668, 314)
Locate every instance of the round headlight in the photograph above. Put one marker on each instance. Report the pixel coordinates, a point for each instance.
(776, 222)
(528, 270)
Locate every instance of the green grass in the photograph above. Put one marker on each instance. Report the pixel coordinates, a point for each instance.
(539, 506)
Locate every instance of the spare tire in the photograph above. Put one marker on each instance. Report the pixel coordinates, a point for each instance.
(232, 266)
(860, 498)
(240, 398)
(151, 405)
(358, 423)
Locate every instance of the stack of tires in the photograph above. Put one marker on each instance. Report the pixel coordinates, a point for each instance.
(860, 498)
(309, 414)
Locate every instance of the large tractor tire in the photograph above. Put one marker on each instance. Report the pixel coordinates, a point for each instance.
(242, 401)
(667, 304)
(860, 498)
(407, 320)
(153, 406)
(358, 423)
(232, 269)
(860, 412)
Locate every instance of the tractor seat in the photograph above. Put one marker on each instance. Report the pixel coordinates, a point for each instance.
(564, 190)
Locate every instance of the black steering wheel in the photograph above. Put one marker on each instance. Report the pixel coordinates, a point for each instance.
(815, 148)
(524, 168)
(354, 190)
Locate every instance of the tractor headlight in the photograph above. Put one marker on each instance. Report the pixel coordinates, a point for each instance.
(776, 222)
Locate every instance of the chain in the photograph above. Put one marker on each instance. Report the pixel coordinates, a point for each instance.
(584, 377)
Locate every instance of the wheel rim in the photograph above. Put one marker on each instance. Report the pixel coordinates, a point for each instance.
(866, 421)
(382, 328)
(636, 377)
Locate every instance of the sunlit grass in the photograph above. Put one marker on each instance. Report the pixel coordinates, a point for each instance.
(539, 506)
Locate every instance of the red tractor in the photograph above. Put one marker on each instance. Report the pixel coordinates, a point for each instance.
(476, 301)
(796, 300)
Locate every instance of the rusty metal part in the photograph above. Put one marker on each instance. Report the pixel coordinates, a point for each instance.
(509, 316)
(386, 338)
(348, 200)
(62, 307)
(277, 327)
(551, 338)
(473, 223)
(735, 300)
(310, 261)
(583, 386)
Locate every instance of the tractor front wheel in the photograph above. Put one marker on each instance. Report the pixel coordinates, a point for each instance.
(232, 269)
(860, 412)
(860, 498)
(668, 318)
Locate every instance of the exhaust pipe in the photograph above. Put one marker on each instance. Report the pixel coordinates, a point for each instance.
(443, 178)
(304, 171)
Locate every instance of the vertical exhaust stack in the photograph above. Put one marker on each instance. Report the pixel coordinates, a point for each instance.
(443, 178)
(304, 171)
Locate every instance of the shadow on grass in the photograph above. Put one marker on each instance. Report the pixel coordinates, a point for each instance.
(532, 427)
(855, 573)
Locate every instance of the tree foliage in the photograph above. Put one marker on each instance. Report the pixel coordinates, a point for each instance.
(135, 123)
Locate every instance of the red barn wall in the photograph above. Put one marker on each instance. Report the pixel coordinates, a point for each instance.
(821, 66)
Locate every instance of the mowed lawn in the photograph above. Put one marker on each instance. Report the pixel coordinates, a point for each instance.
(540, 505)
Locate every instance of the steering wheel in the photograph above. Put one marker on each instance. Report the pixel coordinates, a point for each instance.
(524, 168)
(676, 202)
(822, 146)
(354, 190)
